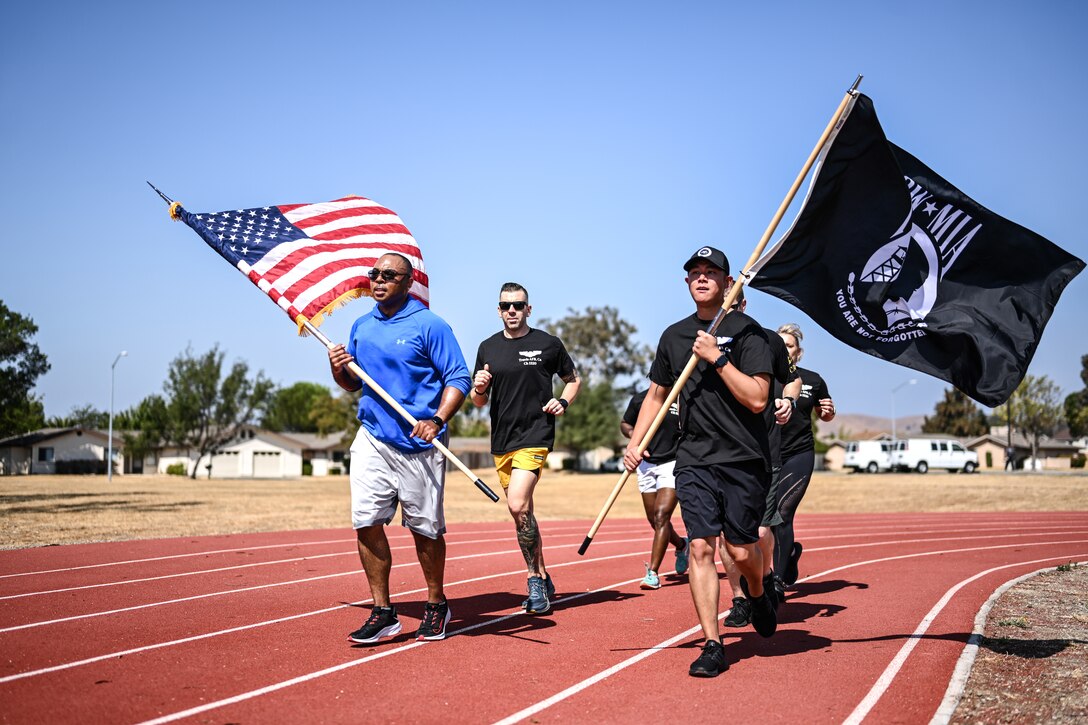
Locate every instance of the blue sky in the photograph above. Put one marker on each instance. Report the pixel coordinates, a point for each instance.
(582, 149)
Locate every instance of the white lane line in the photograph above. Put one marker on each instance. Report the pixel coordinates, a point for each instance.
(268, 586)
(288, 545)
(941, 530)
(958, 683)
(241, 628)
(580, 686)
(176, 556)
(350, 552)
(888, 676)
(403, 648)
(943, 538)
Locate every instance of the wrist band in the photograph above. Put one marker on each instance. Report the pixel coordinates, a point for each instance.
(793, 402)
(721, 362)
(564, 403)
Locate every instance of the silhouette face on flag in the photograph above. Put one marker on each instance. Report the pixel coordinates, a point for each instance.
(893, 260)
(310, 258)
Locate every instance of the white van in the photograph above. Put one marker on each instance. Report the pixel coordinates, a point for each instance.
(922, 454)
(870, 456)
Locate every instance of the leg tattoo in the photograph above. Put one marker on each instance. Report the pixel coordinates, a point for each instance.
(529, 541)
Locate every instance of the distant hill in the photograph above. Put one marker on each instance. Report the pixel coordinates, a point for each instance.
(850, 426)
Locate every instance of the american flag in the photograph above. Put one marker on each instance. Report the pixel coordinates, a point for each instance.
(310, 258)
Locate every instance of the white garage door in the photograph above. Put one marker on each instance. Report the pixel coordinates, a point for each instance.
(266, 464)
(225, 465)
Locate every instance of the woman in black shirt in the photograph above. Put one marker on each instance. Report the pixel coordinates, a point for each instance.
(798, 453)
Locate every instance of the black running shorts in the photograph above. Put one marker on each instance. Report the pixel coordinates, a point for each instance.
(723, 498)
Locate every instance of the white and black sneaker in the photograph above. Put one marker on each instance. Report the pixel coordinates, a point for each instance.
(382, 623)
(435, 619)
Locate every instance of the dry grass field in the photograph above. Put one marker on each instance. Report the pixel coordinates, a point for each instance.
(49, 510)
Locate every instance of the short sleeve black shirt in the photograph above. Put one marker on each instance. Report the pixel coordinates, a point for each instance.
(662, 447)
(522, 370)
(715, 427)
(797, 433)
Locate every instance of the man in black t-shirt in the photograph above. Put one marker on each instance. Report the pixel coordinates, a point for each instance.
(513, 372)
(723, 460)
(657, 485)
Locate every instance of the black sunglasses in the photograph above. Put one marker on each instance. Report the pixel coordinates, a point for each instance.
(387, 275)
(519, 305)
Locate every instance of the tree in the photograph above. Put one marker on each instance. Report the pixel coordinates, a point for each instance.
(605, 351)
(21, 364)
(332, 415)
(289, 409)
(601, 343)
(1034, 408)
(1076, 405)
(594, 421)
(956, 415)
(144, 426)
(470, 421)
(203, 410)
(82, 416)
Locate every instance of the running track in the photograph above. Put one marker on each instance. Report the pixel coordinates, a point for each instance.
(252, 628)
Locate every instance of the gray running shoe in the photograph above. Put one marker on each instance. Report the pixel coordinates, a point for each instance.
(548, 586)
(538, 597)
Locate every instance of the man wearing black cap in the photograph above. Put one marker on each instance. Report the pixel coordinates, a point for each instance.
(723, 459)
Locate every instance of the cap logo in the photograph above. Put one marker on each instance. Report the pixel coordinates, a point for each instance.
(704, 252)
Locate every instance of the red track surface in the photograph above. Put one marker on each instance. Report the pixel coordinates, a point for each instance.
(252, 628)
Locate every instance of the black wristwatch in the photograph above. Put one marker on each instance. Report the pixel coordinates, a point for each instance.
(564, 403)
(721, 362)
(793, 401)
(437, 420)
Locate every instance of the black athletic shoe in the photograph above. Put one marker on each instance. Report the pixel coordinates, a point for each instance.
(435, 619)
(789, 576)
(741, 613)
(779, 589)
(382, 623)
(548, 586)
(764, 618)
(711, 661)
(768, 588)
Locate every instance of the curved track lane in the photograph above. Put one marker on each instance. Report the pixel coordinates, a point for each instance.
(253, 627)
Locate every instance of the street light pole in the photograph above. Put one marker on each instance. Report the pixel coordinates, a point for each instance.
(896, 389)
(109, 453)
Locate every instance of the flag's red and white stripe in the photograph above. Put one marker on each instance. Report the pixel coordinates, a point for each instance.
(346, 238)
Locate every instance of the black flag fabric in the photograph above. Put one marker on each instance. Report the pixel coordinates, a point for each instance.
(894, 261)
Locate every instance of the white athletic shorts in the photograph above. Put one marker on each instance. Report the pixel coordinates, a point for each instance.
(653, 477)
(381, 476)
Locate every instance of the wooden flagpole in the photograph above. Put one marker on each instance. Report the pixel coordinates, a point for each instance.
(354, 367)
(730, 298)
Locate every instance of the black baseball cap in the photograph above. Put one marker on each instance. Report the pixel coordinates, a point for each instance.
(708, 254)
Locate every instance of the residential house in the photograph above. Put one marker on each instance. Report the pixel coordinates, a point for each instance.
(58, 450)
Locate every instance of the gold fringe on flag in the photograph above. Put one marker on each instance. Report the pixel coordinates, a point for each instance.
(174, 206)
(319, 317)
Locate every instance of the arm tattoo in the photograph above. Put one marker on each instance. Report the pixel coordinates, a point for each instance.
(570, 378)
(529, 540)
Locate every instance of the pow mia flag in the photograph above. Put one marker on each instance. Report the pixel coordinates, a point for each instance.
(894, 261)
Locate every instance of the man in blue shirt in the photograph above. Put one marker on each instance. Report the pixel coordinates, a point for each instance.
(413, 355)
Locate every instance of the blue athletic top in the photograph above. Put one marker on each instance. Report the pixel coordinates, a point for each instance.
(412, 355)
